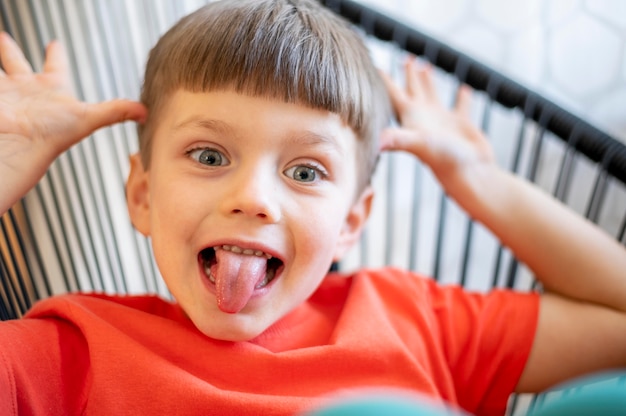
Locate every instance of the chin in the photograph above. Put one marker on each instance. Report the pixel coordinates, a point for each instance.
(231, 327)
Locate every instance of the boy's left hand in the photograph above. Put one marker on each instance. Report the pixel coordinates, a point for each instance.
(445, 140)
(581, 326)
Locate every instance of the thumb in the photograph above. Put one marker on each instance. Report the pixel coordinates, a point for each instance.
(114, 111)
(407, 140)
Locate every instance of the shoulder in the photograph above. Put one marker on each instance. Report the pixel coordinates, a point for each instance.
(100, 304)
(392, 279)
(100, 316)
(52, 348)
(453, 315)
(407, 283)
(467, 330)
(70, 317)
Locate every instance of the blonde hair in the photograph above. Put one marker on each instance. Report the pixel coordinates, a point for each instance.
(291, 50)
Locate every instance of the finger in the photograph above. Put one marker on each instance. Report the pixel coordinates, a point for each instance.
(398, 97)
(111, 112)
(407, 140)
(427, 82)
(116, 111)
(56, 58)
(12, 58)
(463, 100)
(413, 81)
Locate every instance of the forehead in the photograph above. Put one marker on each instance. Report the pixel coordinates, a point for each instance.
(240, 116)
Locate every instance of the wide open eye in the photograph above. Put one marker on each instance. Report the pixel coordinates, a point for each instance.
(304, 173)
(208, 157)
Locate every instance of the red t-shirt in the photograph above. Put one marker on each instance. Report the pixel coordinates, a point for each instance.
(98, 354)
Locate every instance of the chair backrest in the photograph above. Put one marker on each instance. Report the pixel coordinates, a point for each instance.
(415, 225)
(418, 227)
(72, 233)
(74, 223)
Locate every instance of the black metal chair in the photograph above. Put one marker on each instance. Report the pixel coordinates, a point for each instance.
(71, 233)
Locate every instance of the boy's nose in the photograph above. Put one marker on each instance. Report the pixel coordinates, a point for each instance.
(253, 195)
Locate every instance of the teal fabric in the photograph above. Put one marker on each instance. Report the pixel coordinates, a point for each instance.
(600, 394)
(383, 405)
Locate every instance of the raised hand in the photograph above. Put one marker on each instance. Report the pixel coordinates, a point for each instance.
(40, 118)
(445, 140)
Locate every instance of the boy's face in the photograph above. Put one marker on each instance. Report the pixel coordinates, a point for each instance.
(247, 202)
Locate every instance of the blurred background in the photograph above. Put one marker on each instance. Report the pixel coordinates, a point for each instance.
(571, 51)
(73, 233)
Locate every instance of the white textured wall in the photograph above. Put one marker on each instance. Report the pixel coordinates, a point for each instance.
(571, 51)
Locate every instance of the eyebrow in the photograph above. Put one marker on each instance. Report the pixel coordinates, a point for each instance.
(311, 139)
(302, 138)
(203, 123)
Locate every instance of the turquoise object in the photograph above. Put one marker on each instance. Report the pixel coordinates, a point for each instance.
(600, 394)
(383, 405)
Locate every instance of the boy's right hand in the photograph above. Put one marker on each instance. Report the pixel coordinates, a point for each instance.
(40, 118)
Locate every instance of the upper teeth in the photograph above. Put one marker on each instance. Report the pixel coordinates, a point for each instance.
(246, 251)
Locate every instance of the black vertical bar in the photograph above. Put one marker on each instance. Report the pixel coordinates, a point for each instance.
(142, 242)
(441, 229)
(492, 90)
(146, 274)
(460, 73)
(22, 247)
(530, 106)
(110, 141)
(414, 220)
(88, 249)
(521, 138)
(18, 33)
(63, 234)
(36, 249)
(102, 222)
(399, 38)
(622, 230)
(4, 13)
(8, 284)
(389, 206)
(7, 309)
(366, 21)
(24, 299)
(561, 189)
(599, 189)
(51, 174)
(538, 147)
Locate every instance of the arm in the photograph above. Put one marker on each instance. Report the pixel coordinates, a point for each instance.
(582, 322)
(40, 118)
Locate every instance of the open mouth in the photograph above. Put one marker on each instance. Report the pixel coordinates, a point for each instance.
(209, 259)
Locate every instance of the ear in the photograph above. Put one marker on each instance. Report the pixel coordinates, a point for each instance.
(138, 196)
(354, 223)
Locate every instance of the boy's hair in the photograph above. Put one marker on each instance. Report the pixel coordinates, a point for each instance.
(296, 51)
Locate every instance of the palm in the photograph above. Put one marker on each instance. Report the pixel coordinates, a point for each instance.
(445, 140)
(40, 118)
(38, 108)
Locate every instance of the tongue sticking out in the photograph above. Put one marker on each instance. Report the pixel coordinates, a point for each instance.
(236, 276)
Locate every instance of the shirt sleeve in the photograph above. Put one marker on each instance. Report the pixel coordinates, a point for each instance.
(487, 339)
(8, 405)
(33, 353)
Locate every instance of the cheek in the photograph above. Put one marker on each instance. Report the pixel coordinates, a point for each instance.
(176, 210)
(320, 227)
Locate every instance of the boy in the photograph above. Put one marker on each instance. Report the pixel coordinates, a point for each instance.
(259, 136)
